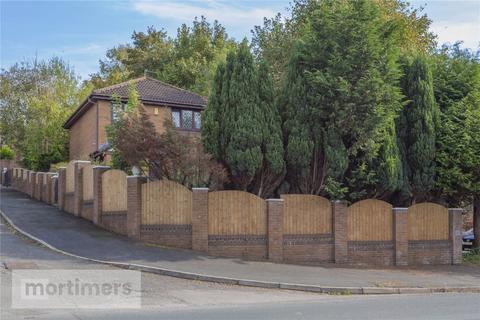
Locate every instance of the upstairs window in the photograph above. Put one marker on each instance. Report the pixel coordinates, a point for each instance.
(117, 109)
(187, 119)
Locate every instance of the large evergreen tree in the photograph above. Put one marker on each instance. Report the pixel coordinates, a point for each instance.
(340, 99)
(417, 127)
(241, 126)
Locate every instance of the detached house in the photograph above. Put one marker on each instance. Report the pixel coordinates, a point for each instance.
(87, 125)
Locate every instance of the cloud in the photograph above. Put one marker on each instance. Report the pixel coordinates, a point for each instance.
(451, 32)
(225, 13)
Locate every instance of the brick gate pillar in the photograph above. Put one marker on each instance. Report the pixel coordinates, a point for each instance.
(400, 234)
(78, 187)
(134, 205)
(62, 187)
(200, 219)
(340, 236)
(275, 229)
(455, 219)
(97, 193)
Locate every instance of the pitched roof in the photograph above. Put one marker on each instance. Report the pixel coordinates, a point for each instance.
(150, 91)
(153, 90)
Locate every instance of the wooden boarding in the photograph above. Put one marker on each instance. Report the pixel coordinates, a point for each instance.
(370, 220)
(114, 191)
(306, 214)
(236, 213)
(428, 221)
(166, 202)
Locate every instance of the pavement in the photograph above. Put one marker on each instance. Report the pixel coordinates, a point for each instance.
(165, 297)
(80, 238)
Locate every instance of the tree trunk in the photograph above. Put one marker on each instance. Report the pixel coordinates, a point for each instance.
(476, 221)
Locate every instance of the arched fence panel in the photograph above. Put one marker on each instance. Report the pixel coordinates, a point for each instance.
(370, 233)
(237, 224)
(166, 216)
(428, 234)
(114, 201)
(307, 228)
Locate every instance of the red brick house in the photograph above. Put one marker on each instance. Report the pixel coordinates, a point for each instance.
(162, 101)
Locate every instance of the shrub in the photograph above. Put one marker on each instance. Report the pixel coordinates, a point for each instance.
(6, 153)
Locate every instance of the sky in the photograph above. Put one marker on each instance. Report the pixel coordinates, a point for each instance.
(82, 31)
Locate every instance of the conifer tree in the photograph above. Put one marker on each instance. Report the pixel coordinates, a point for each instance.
(418, 127)
(241, 126)
(341, 95)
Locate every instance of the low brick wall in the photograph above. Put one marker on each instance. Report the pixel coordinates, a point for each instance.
(429, 252)
(243, 246)
(309, 248)
(176, 236)
(115, 221)
(302, 229)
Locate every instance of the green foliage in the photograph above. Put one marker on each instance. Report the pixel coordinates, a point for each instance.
(340, 98)
(274, 40)
(36, 100)
(241, 125)
(189, 60)
(6, 153)
(472, 257)
(457, 90)
(418, 127)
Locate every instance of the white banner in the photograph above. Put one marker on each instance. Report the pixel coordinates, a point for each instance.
(95, 289)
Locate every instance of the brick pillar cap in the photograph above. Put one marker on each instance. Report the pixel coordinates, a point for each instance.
(400, 209)
(137, 177)
(200, 189)
(456, 209)
(101, 167)
(340, 201)
(274, 200)
(82, 161)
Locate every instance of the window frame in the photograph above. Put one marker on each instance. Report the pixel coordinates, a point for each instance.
(193, 128)
(113, 105)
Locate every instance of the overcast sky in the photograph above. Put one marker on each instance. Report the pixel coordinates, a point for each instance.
(82, 31)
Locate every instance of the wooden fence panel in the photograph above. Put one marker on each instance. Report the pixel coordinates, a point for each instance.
(70, 177)
(370, 220)
(166, 202)
(428, 221)
(114, 191)
(236, 213)
(87, 171)
(306, 214)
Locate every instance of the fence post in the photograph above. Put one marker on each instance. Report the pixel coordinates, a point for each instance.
(455, 222)
(340, 235)
(32, 184)
(54, 186)
(200, 219)
(134, 205)
(78, 188)
(62, 187)
(275, 229)
(400, 234)
(97, 193)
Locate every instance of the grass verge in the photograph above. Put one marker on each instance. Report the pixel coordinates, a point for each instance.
(472, 257)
